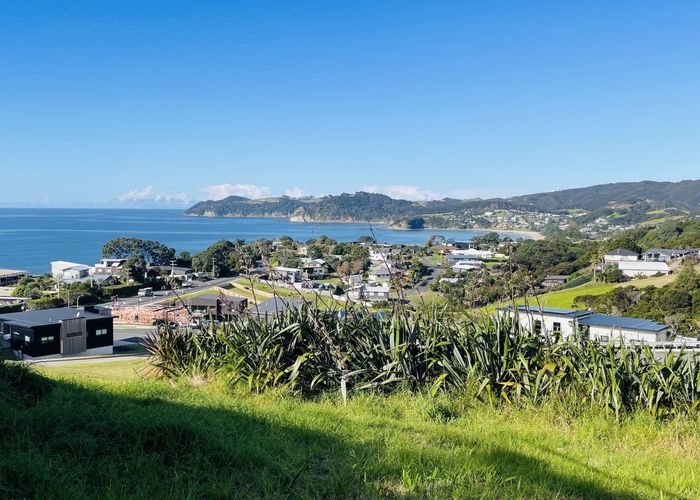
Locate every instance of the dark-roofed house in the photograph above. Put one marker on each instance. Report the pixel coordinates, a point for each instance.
(564, 323)
(56, 332)
(555, 280)
(219, 306)
(274, 306)
(11, 276)
(619, 255)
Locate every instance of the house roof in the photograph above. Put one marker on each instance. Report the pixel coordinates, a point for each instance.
(275, 305)
(623, 322)
(49, 316)
(555, 311)
(210, 299)
(11, 272)
(622, 252)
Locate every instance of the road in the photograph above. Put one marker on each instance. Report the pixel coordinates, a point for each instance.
(164, 295)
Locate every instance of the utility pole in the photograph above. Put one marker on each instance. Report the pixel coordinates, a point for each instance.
(213, 274)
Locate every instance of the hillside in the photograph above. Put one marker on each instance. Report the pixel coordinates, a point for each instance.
(633, 199)
(124, 436)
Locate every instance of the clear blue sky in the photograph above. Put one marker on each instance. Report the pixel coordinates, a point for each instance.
(135, 103)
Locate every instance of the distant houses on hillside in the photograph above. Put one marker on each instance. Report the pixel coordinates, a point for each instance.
(652, 262)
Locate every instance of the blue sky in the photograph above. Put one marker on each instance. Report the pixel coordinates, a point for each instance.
(154, 103)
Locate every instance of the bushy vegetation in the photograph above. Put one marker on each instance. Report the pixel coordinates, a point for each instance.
(309, 352)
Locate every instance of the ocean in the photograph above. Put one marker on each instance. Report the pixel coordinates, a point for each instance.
(31, 238)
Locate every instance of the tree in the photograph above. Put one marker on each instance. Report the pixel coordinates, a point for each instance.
(223, 255)
(151, 251)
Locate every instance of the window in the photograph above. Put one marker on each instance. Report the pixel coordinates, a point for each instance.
(46, 340)
(101, 331)
(538, 326)
(556, 327)
(27, 339)
(604, 338)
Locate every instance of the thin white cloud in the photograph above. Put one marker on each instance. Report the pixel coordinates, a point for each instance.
(147, 195)
(221, 191)
(405, 192)
(295, 192)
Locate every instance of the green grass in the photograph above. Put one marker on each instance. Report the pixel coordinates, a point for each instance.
(150, 439)
(429, 298)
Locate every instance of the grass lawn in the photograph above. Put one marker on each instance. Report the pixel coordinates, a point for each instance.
(115, 371)
(93, 436)
(428, 298)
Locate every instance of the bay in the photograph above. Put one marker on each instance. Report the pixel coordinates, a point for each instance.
(30, 238)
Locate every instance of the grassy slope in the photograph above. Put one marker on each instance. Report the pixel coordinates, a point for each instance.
(152, 439)
(565, 298)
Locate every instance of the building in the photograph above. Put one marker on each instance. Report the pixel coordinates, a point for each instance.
(633, 269)
(620, 255)
(110, 267)
(564, 323)
(59, 332)
(314, 269)
(466, 266)
(353, 279)
(554, 280)
(666, 254)
(11, 276)
(220, 307)
(181, 272)
(273, 307)
(380, 273)
(70, 272)
(286, 274)
(474, 253)
(376, 292)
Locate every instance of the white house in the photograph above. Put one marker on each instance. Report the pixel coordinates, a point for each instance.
(472, 253)
(642, 267)
(553, 321)
(62, 269)
(466, 266)
(620, 255)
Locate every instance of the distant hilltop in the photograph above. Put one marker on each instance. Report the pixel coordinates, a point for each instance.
(641, 197)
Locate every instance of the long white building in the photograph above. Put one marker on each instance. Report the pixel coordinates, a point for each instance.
(552, 321)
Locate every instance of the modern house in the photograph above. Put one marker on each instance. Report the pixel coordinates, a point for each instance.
(110, 267)
(286, 274)
(59, 332)
(620, 255)
(554, 280)
(551, 321)
(11, 276)
(643, 268)
(219, 307)
(181, 272)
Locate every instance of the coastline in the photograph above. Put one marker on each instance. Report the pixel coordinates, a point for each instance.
(533, 235)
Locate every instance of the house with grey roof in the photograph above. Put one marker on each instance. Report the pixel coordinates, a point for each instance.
(273, 307)
(564, 323)
(59, 332)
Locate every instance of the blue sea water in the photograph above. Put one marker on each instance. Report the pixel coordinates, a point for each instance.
(31, 238)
